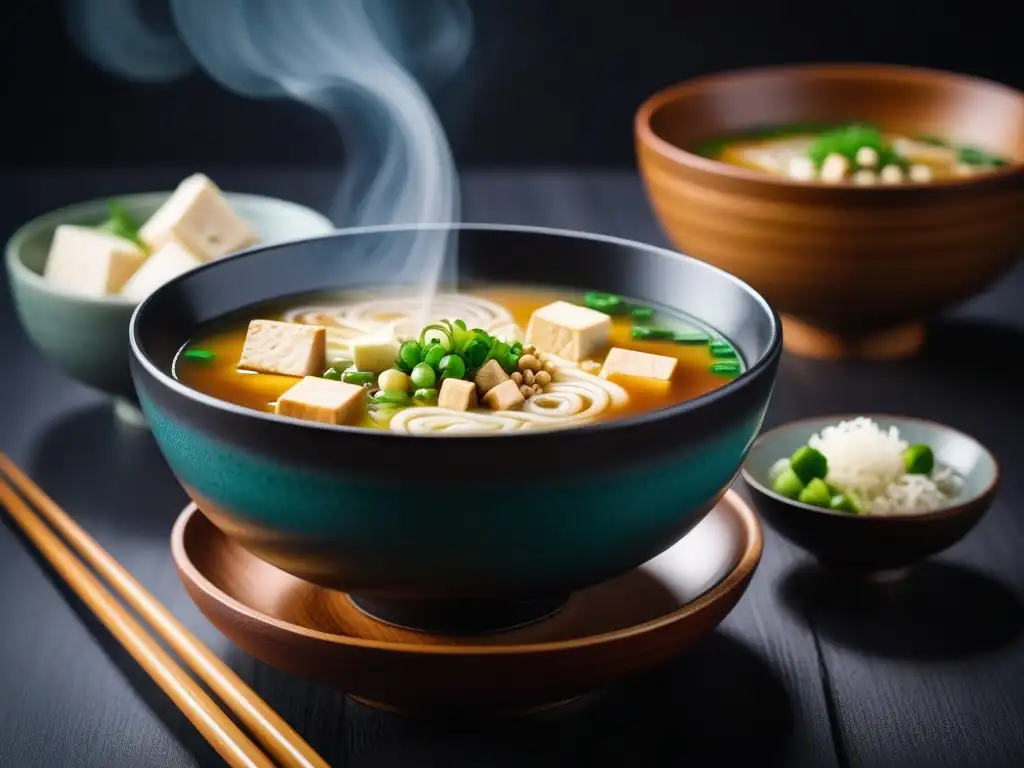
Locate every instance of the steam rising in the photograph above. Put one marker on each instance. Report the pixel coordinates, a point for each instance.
(343, 57)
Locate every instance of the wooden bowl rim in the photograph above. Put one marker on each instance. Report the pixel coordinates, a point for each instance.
(735, 579)
(964, 506)
(865, 71)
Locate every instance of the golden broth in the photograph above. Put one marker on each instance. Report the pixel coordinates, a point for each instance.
(220, 378)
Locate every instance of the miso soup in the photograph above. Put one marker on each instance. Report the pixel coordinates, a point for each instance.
(480, 361)
(855, 154)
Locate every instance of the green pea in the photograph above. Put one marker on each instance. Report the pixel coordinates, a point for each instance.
(433, 355)
(788, 484)
(409, 355)
(452, 367)
(423, 376)
(361, 378)
(844, 502)
(919, 459)
(816, 493)
(809, 463)
(425, 395)
(333, 374)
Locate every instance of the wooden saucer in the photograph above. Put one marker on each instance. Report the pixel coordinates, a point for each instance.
(601, 635)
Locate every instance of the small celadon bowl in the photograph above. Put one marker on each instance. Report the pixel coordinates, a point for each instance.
(494, 526)
(872, 542)
(87, 338)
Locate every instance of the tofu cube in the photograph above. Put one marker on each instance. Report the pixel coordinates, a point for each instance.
(162, 267)
(323, 400)
(457, 395)
(627, 362)
(568, 330)
(374, 355)
(291, 349)
(199, 217)
(490, 375)
(504, 397)
(89, 262)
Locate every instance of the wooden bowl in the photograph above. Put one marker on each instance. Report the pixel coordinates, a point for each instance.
(854, 271)
(603, 633)
(872, 543)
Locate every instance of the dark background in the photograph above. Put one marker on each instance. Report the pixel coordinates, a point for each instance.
(548, 82)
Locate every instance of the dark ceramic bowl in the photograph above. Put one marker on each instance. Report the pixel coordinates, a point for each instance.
(874, 543)
(406, 518)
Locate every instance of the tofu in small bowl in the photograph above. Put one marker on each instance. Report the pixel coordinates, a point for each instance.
(77, 273)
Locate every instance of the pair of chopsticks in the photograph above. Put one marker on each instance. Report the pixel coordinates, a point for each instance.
(283, 744)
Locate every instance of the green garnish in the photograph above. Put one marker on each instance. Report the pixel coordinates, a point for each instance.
(646, 333)
(475, 351)
(724, 369)
(425, 395)
(119, 222)
(932, 140)
(844, 502)
(451, 367)
(333, 374)
(788, 484)
(975, 156)
(608, 303)
(341, 364)
(721, 349)
(409, 356)
(919, 459)
(433, 354)
(809, 463)
(713, 148)
(423, 376)
(691, 337)
(362, 378)
(847, 140)
(816, 493)
(446, 338)
(392, 397)
(204, 355)
(641, 313)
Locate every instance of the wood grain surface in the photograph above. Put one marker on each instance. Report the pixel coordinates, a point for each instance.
(804, 672)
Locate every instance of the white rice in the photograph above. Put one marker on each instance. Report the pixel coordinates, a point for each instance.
(867, 461)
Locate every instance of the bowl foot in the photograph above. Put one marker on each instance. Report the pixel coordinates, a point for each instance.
(889, 344)
(126, 412)
(459, 617)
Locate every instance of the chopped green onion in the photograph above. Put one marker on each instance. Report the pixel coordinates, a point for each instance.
(423, 376)
(446, 338)
(461, 324)
(392, 397)
(724, 369)
(333, 374)
(691, 337)
(425, 395)
(452, 367)
(362, 378)
(721, 349)
(433, 354)
(200, 354)
(409, 355)
(847, 140)
(475, 352)
(975, 156)
(646, 333)
(608, 303)
(121, 223)
(641, 313)
(341, 364)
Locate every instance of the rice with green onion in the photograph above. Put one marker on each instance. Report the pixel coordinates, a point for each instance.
(868, 461)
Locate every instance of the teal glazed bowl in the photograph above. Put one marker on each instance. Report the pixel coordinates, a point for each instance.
(87, 338)
(438, 530)
(873, 543)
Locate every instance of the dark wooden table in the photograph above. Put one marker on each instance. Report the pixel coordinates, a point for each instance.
(929, 672)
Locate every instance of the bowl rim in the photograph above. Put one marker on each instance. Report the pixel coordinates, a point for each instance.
(57, 216)
(919, 517)
(864, 70)
(746, 377)
(743, 569)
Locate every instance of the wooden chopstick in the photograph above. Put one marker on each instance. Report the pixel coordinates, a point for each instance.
(277, 737)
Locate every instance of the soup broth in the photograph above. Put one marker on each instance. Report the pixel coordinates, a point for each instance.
(501, 335)
(855, 153)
